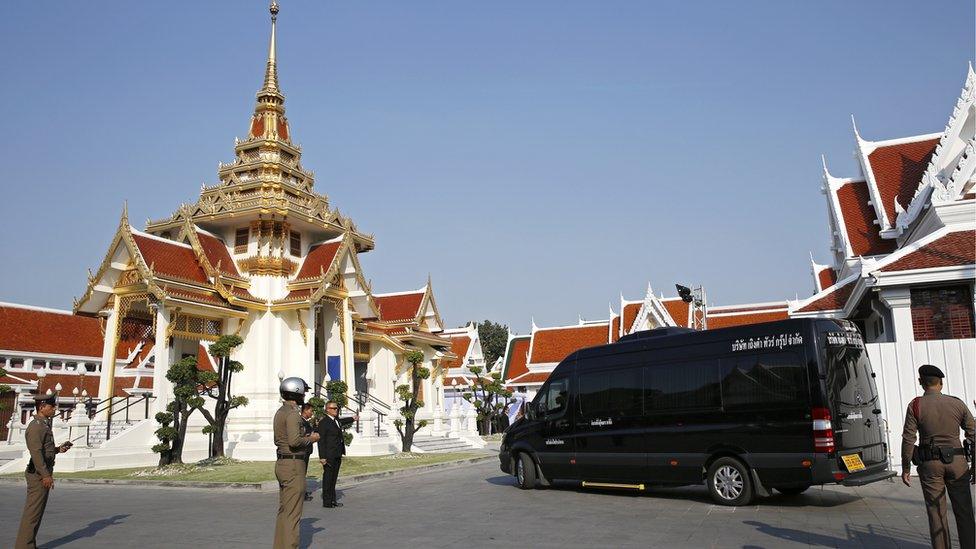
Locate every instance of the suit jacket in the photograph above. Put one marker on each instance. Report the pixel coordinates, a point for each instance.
(332, 445)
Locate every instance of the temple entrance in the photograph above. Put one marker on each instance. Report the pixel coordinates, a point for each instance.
(362, 385)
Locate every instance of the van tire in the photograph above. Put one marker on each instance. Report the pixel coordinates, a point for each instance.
(729, 482)
(524, 471)
(793, 490)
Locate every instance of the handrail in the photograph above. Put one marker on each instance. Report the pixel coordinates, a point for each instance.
(109, 404)
(367, 397)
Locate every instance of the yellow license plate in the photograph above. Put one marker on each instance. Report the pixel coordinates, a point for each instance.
(853, 463)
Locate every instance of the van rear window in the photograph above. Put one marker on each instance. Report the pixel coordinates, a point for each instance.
(760, 379)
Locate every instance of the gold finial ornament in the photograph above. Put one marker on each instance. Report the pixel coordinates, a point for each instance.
(271, 73)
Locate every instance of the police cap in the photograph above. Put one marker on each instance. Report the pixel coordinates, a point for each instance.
(928, 370)
(51, 399)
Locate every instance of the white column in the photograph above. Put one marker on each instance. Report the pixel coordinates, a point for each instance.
(899, 300)
(455, 421)
(310, 338)
(437, 422)
(107, 380)
(347, 368)
(162, 388)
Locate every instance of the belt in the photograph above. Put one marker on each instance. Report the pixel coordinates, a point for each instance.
(291, 456)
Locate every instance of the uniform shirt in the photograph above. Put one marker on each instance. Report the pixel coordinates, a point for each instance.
(288, 435)
(40, 443)
(307, 430)
(939, 418)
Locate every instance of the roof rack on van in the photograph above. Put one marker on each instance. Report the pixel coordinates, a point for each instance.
(656, 332)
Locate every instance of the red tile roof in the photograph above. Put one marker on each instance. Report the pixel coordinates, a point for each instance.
(170, 258)
(461, 382)
(530, 378)
(859, 217)
(296, 295)
(459, 347)
(216, 252)
(555, 344)
(629, 314)
(244, 293)
(204, 361)
(69, 382)
(400, 307)
(725, 321)
(31, 330)
(958, 248)
(615, 329)
(827, 277)
(203, 297)
(898, 170)
(319, 259)
(517, 357)
(678, 310)
(835, 299)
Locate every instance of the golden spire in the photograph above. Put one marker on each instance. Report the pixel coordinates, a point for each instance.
(271, 72)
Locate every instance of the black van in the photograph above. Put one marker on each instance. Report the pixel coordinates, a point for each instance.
(782, 405)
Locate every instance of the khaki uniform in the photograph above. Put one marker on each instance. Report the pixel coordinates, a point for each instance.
(937, 418)
(290, 469)
(40, 444)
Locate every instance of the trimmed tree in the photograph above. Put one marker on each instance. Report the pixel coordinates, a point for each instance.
(410, 396)
(494, 337)
(489, 397)
(217, 385)
(171, 433)
(336, 392)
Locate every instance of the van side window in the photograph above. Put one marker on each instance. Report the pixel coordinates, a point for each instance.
(554, 400)
(611, 393)
(681, 386)
(764, 379)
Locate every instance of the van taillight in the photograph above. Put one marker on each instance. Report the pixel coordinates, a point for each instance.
(823, 431)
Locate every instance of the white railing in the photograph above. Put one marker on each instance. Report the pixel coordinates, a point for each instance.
(896, 365)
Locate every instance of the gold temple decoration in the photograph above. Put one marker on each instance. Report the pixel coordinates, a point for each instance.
(301, 323)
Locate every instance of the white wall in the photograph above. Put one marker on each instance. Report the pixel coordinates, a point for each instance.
(896, 366)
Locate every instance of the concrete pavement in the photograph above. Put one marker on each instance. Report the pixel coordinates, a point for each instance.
(476, 506)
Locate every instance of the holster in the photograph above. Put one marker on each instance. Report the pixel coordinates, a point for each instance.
(946, 454)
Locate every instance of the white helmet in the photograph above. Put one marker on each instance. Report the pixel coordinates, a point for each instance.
(293, 388)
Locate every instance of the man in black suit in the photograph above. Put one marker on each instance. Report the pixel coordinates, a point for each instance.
(332, 446)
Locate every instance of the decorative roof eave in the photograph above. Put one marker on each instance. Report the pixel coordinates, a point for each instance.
(428, 300)
(382, 338)
(936, 183)
(205, 309)
(123, 235)
(424, 337)
(830, 188)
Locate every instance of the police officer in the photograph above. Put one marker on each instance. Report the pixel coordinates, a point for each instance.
(40, 468)
(290, 468)
(941, 463)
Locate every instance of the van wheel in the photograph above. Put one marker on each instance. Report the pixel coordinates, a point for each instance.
(525, 472)
(793, 490)
(729, 482)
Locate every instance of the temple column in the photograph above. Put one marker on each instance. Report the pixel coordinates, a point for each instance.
(106, 384)
(899, 301)
(162, 388)
(347, 356)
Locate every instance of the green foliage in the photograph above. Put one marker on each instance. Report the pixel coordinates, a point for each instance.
(336, 391)
(224, 346)
(489, 397)
(318, 404)
(494, 337)
(347, 437)
(207, 429)
(414, 357)
(238, 401)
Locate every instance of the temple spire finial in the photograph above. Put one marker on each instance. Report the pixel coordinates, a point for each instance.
(271, 72)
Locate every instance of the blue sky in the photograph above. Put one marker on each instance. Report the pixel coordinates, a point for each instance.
(536, 158)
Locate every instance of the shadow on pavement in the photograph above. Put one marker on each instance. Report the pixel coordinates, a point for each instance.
(813, 498)
(306, 531)
(856, 536)
(89, 531)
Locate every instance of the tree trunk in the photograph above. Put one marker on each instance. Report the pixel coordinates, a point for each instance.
(407, 435)
(217, 444)
(177, 448)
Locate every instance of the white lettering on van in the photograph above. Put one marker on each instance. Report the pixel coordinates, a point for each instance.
(778, 341)
(848, 338)
(601, 422)
(554, 441)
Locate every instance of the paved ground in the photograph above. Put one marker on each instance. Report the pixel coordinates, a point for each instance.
(475, 506)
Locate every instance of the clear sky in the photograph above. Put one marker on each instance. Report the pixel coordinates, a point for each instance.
(536, 157)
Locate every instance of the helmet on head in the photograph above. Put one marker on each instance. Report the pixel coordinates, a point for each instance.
(293, 388)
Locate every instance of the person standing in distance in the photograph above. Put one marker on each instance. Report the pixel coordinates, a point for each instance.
(40, 468)
(290, 468)
(307, 413)
(937, 418)
(332, 446)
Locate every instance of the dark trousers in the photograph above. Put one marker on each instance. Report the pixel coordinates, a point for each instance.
(937, 480)
(30, 521)
(330, 475)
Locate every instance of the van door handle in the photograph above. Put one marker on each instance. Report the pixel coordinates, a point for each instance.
(876, 411)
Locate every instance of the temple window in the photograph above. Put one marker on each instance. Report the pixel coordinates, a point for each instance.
(943, 312)
(240, 240)
(296, 244)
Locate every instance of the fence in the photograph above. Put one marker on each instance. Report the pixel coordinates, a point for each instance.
(896, 365)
